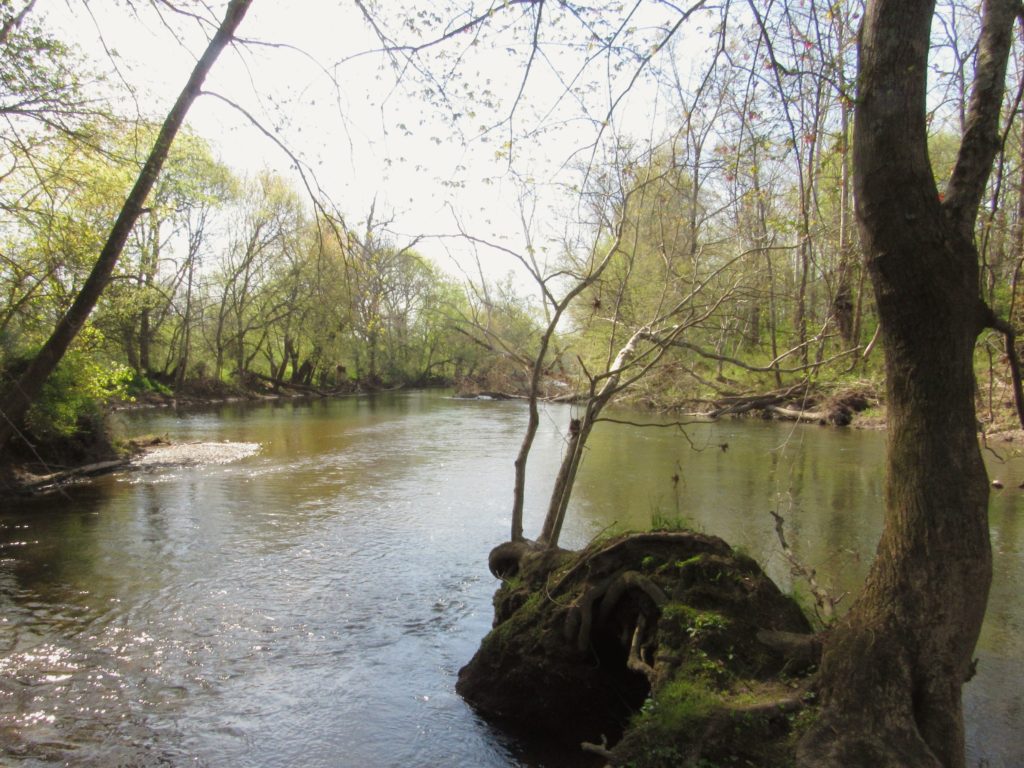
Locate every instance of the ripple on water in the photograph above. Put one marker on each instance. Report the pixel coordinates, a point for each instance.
(310, 604)
(315, 603)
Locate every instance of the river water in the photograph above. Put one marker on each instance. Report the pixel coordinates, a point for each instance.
(310, 604)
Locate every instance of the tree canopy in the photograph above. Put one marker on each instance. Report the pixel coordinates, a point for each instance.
(716, 204)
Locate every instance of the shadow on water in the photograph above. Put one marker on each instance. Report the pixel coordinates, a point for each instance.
(311, 604)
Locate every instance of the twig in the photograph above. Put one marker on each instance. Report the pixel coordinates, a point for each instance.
(824, 601)
(600, 749)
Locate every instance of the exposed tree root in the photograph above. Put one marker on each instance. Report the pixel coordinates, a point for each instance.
(582, 640)
(802, 651)
(636, 661)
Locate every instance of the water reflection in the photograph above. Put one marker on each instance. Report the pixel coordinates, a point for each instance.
(311, 604)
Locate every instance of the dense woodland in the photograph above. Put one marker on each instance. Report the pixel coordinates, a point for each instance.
(224, 279)
(731, 239)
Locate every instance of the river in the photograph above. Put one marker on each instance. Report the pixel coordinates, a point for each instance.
(310, 604)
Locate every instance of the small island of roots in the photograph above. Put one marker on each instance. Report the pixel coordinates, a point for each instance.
(666, 648)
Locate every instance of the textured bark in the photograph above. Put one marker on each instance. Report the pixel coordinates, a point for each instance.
(23, 392)
(893, 670)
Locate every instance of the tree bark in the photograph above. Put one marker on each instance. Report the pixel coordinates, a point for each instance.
(26, 389)
(893, 669)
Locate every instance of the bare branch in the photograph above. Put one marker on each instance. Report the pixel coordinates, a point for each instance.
(823, 600)
(13, 21)
(980, 142)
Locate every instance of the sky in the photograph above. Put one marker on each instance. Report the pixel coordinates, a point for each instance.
(311, 75)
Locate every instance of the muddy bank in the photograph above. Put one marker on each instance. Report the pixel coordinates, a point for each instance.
(656, 649)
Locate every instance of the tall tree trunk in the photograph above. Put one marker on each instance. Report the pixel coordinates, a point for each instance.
(763, 239)
(26, 389)
(893, 669)
(1017, 234)
(181, 370)
(842, 301)
(150, 263)
(145, 334)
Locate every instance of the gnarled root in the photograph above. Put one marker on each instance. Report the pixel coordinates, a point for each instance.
(635, 661)
(610, 591)
(582, 640)
(802, 651)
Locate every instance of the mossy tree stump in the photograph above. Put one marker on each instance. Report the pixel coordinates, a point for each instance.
(670, 644)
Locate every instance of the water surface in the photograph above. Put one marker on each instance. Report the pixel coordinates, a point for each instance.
(310, 605)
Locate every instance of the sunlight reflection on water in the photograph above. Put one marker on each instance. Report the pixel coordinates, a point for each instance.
(311, 602)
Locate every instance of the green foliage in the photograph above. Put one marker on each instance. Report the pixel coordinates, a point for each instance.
(664, 521)
(74, 391)
(707, 623)
(41, 82)
(679, 705)
(691, 626)
(139, 383)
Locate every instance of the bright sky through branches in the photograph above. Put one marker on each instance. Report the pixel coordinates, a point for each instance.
(313, 75)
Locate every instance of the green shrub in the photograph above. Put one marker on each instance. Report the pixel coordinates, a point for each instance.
(73, 392)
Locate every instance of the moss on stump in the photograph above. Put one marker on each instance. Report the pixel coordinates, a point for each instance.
(665, 644)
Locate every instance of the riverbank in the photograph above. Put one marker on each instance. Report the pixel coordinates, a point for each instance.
(850, 404)
(33, 466)
(200, 393)
(138, 455)
(41, 468)
(858, 405)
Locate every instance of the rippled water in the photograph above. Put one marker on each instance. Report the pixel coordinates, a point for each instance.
(310, 605)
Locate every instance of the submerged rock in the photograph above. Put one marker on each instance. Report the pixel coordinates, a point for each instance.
(669, 644)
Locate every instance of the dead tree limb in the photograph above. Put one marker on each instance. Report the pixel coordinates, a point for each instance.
(824, 601)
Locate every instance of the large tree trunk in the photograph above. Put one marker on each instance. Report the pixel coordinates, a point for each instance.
(893, 670)
(23, 392)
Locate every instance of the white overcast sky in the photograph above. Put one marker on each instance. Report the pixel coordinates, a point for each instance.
(349, 130)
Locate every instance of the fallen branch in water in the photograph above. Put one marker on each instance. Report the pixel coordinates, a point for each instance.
(823, 599)
(56, 479)
(600, 750)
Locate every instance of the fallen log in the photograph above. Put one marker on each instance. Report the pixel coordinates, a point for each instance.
(837, 414)
(795, 414)
(736, 405)
(282, 383)
(57, 479)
